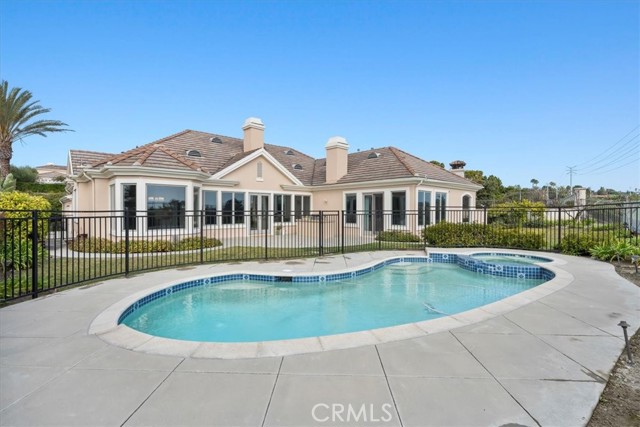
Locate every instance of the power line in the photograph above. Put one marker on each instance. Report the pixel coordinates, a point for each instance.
(617, 167)
(598, 157)
(619, 157)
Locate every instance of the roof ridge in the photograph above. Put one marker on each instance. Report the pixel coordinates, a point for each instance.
(404, 163)
(431, 164)
(118, 157)
(179, 158)
(147, 153)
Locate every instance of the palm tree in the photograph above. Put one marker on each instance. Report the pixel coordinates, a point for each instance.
(16, 113)
(534, 183)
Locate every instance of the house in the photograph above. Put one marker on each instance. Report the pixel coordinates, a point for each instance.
(51, 174)
(232, 181)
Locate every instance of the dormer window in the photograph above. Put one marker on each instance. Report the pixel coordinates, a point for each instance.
(373, 155)
(297, 167)
(193, 153)
(216, 140)
(289, 152)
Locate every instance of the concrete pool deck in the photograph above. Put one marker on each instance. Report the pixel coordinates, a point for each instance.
(544, 363)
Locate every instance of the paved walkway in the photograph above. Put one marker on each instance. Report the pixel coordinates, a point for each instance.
(542, 364)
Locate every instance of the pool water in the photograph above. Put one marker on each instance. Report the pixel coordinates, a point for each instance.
(246, 311)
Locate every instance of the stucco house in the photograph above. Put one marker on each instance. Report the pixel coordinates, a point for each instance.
(231, 181)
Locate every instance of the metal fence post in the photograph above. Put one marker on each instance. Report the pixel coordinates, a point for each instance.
(559, 226)
(201, 223)
(484, 226)
(320, 231)
(126, 242)
(342, 231)
(34, 254)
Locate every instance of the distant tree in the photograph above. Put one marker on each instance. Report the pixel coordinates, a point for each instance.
(534, 183)
(437, 163)
(475, 176)
(24, 173)
(17, 111)
(492, 192)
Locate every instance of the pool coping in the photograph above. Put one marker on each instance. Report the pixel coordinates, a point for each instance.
(106, 327)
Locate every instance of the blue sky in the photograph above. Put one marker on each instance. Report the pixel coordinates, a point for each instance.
(517, 89)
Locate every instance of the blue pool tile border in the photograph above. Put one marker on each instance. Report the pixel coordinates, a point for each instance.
(466, 262)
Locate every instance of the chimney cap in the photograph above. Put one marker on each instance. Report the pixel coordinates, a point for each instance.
(457, 164)
(253, 122)
(337, 142)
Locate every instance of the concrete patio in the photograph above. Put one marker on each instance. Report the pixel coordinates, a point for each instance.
(545, 363)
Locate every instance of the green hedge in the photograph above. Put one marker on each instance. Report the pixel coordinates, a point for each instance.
(576, 244)
(397, 236)
(101, 245)
(469, 235)
(36, 187)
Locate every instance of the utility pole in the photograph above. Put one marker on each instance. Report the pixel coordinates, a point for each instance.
(571, 170)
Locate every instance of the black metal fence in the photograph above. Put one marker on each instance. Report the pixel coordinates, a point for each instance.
(43, 251)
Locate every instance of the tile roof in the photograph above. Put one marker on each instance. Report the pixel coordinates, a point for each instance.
(171, 153)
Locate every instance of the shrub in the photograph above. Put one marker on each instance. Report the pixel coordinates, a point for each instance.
(469, 235)
(576, 244)
(397, 236)
(93, 245)
(18, 206)
(191, 243)
(17, 254)
(517, 213)
(618, 250)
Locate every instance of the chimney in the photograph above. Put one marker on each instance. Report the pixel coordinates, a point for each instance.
(253, 134)
(457, 167)
(337, 152)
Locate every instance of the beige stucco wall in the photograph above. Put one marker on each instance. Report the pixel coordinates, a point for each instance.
(246, 175)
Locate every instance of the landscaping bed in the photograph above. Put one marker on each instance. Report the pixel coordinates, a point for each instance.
(620, 402)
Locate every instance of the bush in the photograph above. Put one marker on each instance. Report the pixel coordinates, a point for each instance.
(17, 254)
(619, 250)
(576, 244)
(18, 206)
(100, 245)
(397, 236)
(470, 235)
(191, 243)
(517, 213)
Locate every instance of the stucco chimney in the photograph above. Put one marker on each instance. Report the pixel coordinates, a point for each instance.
(337, 153)
(457, 167)
(253, 134)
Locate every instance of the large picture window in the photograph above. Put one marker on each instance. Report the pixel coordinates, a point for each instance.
(165, 206)
(210, 207)
(399, 208)
(129, 206)
(282, 208)
(441, 207)
(302, 206)
(351, 206)
(232, 208)
(424, 207)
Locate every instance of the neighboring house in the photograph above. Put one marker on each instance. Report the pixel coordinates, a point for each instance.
(230, 178)
(51, 174)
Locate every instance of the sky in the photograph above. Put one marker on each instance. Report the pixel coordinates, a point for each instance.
(517, 89)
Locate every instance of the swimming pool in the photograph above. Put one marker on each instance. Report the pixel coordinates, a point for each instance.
(249, 308)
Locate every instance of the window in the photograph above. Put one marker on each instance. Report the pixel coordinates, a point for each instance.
(466, 206)
(424, 207)
(302, 206)
(297, 167)
(399, 208)
(259, 171)
(210, 207)
(196, 207)
(129, 203)
(288, 152)
(351, 208)
(441, 207)
(165, 206)
(193, 153)
(282, 208)
(232, 208)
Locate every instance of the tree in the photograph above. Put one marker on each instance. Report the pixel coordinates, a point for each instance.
(534, 183)
(437, 163)
(475, 176)
(24, 173)
(17, 111)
